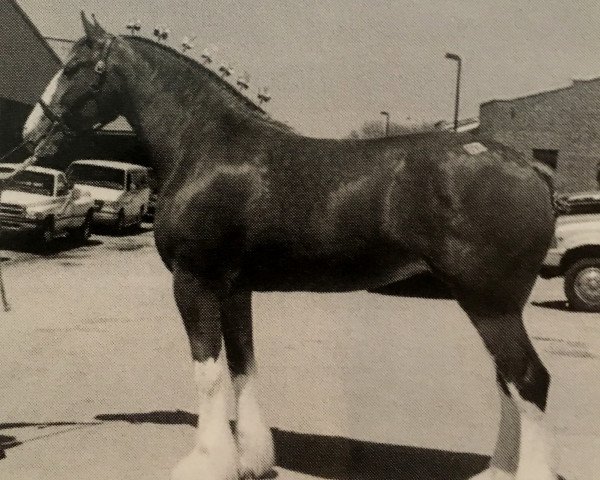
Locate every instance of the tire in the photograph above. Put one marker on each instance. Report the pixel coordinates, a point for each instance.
(120, 225)
(138, 223)
(582, 285)
(47, 233)
(83, 233)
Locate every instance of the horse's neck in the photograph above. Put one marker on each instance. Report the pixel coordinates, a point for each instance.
(164, 105)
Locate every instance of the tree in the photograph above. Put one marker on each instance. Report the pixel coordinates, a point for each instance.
(376, 129)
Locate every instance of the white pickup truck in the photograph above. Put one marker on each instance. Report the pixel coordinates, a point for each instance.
(41, 201)
(575, 250)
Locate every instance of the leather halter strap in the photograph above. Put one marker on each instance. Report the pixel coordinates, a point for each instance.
(63, 121)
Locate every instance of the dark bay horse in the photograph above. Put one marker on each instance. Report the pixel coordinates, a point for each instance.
(248, 205)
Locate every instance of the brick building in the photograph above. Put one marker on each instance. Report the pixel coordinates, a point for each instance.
(558, 127)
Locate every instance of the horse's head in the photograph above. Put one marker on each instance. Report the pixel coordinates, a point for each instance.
(82, 95)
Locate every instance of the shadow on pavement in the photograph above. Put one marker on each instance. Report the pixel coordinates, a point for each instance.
(423, 285)
(178, 417)
(322, 456)
(57, 246)
(560, 305)
(8, 441)
(342, 458)
(127, 232)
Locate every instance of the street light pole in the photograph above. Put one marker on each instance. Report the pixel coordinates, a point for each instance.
(387, 122)
(456, 58)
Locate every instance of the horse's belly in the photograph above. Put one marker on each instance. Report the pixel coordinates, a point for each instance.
(278, 272)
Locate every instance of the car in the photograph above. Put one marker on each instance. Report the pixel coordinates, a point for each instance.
(151, 211)
(153, 183)
(575, 250)
(41, 201)
(120, 190)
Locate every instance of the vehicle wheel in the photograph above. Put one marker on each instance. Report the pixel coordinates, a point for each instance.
(138, 224)
(582, 285)
(120, 223)
(47, 233)
(84, 232)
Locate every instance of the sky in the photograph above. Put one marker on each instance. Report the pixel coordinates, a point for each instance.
(333, 64)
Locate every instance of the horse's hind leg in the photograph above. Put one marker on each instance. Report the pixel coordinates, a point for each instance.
(523, 449)
(214, 456)
(255, 443)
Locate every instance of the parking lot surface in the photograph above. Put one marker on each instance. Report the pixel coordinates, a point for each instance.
(97, 379)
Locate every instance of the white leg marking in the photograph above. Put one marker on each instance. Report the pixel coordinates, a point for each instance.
(214, 457)
(254, 439)
(37, 113)
(535, 457)
(504, 462)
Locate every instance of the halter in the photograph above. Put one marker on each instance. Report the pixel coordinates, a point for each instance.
(65, 121)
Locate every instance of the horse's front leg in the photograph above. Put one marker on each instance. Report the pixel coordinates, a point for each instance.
(254, 440)
(214, 456)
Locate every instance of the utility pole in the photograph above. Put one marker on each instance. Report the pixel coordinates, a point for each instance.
(387, 122)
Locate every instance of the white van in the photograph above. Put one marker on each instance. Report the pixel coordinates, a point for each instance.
(120, 190)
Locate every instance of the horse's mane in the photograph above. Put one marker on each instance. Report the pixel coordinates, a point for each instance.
(238, 99)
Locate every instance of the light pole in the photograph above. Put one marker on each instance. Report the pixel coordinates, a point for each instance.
(456, 58)
(387, 122)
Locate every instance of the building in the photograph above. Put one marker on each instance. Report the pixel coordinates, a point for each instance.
(28, 61)
(27, 64)
(464, 125)
(558, 127)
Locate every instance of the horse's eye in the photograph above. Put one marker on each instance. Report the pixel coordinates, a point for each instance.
(71, 67)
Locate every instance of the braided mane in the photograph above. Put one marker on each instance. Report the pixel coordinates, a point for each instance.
(229, 90)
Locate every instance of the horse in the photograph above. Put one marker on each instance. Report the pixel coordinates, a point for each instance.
(247, 204)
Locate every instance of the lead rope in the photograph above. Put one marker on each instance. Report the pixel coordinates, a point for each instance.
(5, 303)
(3, 181)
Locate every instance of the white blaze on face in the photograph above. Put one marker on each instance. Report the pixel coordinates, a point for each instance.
(37, 113)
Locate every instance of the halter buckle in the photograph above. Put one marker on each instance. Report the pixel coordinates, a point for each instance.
(100, 67)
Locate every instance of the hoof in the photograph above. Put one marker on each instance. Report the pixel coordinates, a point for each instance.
(494, 474)
(257, 455)
(200, 466)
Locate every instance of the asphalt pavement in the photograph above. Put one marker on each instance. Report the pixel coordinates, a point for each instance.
(97, 379)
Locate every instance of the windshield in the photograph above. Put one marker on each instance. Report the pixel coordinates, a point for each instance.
(582, 207)
(97, 176)
(31, 182)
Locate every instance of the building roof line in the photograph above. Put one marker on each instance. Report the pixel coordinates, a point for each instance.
(36, 32)
(59, 39)
(543, 92)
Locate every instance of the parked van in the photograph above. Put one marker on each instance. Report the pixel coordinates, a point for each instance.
(120, 190)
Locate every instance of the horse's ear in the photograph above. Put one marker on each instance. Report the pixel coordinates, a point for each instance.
(97, 25)
(93, 31)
